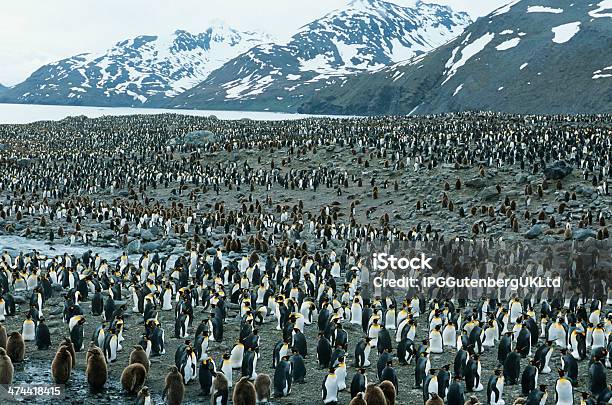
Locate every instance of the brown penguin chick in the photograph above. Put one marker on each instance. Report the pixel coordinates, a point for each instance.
(491, 211)
(96, 370)
(520, 401)
(574, 196)
(552, 223)
(388, 389)
(559, 185)
(375, 193)
(473, 211)
(475, 229)
(451, 206)
(481, 171)
(244, 392)
(262, 387)
(220, 384)
(567, 234)
(458, 184)
(418, 204)
(605, 233)
(3, 337)
(472, 401)
(434, 399)
(446, 186)
(92, 347)
(498, 188)
(374, 395)
(540, 191)
(6, 368)
(561, 208)
(133, 378)
(358, 400)
(15, 347)
(70, 346)
(138, 355)
(515, 225)
(61, 366)
(541, 216)
(174, 389)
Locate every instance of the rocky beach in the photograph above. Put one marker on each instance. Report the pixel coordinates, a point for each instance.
(178, 187)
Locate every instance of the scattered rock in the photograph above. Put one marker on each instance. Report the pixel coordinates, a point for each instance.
(521, 178)
(476, 182)
(151, 246)
(20, 300)
(583, 189)
(534, 232)
(557, 170)
(146, 235)
(134, 247)
(584, 233)
(488, 193)
(199, 138)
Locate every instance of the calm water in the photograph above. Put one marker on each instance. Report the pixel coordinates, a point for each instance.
(25, 113)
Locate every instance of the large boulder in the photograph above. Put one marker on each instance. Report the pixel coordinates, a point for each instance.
(584, 233)
(199, 138)
(557, 170)
(476, 182)
(152, 246)
(488, 193)
(534, 232)
(134, 247)
(146, 235)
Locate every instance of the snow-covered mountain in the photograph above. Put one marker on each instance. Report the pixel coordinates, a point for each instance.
(529, 56)
(366, 35)
(134, 71)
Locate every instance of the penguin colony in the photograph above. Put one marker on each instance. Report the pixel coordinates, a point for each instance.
(246, 258)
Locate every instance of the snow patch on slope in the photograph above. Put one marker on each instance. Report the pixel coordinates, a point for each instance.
(602, 73)
(543, 9)
(467, 53)
(504, 9)
(565, 32)
(602, 6)
(458, 89)
(511, 43)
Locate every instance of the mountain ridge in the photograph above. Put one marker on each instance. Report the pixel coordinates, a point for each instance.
(367, 35)
(530, 56)
(135, 70)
